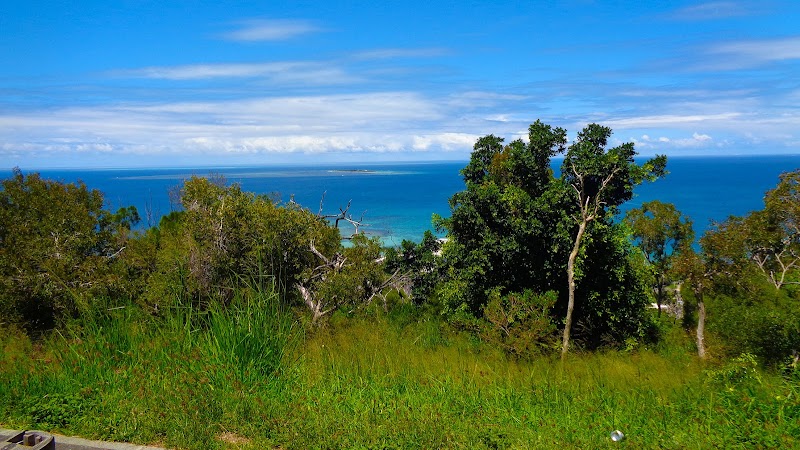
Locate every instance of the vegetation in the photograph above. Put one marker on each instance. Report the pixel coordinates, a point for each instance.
(58, 250)
(242, 322)
(661, 232)
(516, 227)
(371, 383)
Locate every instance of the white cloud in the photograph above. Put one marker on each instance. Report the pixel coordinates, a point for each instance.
(713, 10)
(763, 50)
(751, 53)
(697, 140)
(376, 122)
(669, 120)
(498, 118)
(444, 141)
(270, 30)
(397, 53)
(296, 72)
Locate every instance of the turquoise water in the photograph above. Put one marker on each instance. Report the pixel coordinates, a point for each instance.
(397, 200)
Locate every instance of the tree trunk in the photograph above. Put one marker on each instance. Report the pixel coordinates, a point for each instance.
(701, 328)
(660, 294)
(573, 256)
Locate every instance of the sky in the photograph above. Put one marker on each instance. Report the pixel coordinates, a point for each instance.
(136, 83)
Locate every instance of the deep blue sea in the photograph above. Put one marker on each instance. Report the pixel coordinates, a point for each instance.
(398, 199)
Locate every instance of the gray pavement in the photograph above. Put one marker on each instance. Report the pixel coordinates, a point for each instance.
(73, 443)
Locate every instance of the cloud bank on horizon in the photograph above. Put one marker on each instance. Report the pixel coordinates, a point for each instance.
(97, 83)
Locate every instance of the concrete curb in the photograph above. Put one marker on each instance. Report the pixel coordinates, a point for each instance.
(74, 443)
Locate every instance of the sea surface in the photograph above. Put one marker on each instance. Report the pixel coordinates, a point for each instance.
(397, 200)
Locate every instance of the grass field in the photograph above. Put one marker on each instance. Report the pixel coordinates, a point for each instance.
(250, 377)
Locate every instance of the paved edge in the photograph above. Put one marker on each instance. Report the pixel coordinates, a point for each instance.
(74, 443)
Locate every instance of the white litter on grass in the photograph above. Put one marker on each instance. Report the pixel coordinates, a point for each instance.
(617, 436)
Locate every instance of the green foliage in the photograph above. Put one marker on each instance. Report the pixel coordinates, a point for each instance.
(513, 227)
(613, 293)
(751, 266)
(504, 234)
(55, 410)
(739, 370)
(354, 278)
(58, 249)
(370, 384)
(223, 236)
(250, 336)
(605, 177)
(660, 231)
(519, 323)
(420, 262)
(768, 328)
(763, 245)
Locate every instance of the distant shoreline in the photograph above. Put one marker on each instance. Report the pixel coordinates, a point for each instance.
(352, 171)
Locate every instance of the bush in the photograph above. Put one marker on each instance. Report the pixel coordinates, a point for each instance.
(58, 249)
(225, 234)
(768, 329)
(519, 323)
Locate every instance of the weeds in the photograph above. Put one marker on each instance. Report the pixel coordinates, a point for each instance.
(235, 378)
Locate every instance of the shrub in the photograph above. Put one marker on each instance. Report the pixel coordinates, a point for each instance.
(519, 323)
(58, 249)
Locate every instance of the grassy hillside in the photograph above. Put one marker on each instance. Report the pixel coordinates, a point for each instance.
(251, 377)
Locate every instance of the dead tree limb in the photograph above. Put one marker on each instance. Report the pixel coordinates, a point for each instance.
(343, 215)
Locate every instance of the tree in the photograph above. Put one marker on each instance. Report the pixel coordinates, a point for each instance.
(601, 180)
(766, 242)
(751, 265)
(519, 323)
(420, 264)
(774, 232)
(511, 231)
(58, 248)
(353, 276)
(225, 236)
(695, 270)
(660, 231)
(507, 225)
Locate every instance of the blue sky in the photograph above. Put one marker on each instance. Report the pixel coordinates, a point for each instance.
(129, 83)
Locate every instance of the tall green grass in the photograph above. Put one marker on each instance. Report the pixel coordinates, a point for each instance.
(126, 376)
(247, 377)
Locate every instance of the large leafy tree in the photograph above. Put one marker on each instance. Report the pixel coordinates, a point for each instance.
(600, 180)
(58, 248)
(225, 238)
(751, 266)
(508, 222)
(512, 229)
(660, 231)
(764, 242)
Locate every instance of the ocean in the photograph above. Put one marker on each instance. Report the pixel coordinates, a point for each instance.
(397, 200)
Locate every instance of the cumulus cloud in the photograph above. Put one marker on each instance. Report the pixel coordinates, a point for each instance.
(270, 30)
(444, 141)
(697, 140)
(380, 122)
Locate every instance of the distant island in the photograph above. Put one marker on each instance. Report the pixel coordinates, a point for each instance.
(352, 171)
